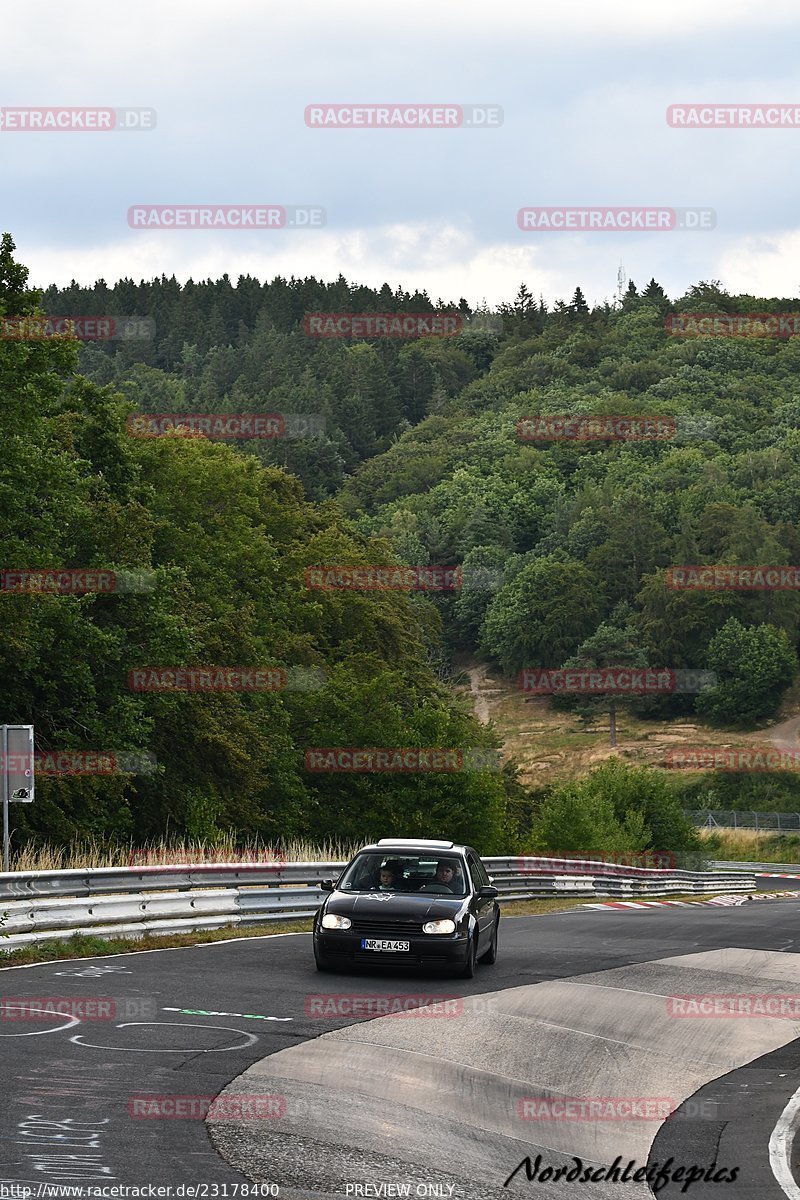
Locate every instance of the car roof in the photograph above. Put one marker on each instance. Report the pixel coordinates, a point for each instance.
(416, 846)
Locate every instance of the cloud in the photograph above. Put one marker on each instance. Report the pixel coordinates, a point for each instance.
(584, 87)
(762, 266)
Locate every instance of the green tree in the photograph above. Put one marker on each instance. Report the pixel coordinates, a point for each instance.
(754, 665)
(542, 615)
(613, 644)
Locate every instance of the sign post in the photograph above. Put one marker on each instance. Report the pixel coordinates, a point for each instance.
(16, 747)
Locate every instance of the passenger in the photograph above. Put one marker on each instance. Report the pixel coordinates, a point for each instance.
(389, 878)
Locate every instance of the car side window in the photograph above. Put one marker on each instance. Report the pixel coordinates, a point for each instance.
(474, 872)
(484, 874)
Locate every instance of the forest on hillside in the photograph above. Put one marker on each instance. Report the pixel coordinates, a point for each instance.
(564, 545)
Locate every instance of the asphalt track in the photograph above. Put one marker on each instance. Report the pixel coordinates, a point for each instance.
(388, 1100)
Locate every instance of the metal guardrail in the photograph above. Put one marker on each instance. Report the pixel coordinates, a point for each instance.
(710, 818)
(758, 868)
(114, 902)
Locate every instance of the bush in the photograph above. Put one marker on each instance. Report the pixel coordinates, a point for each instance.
(615, 808)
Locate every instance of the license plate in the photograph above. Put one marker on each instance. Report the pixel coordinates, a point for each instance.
(383, 944)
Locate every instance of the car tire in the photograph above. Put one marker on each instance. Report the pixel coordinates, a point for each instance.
(472, 961)
(490, 956)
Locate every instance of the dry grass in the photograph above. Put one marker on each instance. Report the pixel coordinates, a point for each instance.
(552, 746)
(749, 845)
(98, 854)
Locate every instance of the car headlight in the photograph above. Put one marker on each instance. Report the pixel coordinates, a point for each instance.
(334, 921)
(446, 926)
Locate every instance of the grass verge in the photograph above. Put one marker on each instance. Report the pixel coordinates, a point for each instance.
(84, 945)
(750, 845)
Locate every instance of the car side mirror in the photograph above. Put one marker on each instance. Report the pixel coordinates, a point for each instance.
(488, 892)
(326, 885)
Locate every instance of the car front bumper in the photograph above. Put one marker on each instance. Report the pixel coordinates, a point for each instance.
(335, 946)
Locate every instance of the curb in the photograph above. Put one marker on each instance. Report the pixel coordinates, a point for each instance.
(719, 901)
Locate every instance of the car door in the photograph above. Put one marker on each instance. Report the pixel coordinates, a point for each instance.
(484, 908)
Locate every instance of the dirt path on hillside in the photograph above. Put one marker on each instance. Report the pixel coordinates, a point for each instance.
(481, 688)
(786, 734)
(477, 679)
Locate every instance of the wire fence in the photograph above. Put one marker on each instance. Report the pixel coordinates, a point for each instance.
(768, 821)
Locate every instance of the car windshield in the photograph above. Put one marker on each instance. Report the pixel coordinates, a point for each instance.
(429, 874)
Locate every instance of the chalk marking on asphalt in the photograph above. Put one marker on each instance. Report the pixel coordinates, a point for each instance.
(780, 1147)
(93, 972)
(71, 1021)
(203, 1012)
(170, 1050)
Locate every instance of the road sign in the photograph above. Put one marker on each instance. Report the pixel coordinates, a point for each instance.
(16, 770)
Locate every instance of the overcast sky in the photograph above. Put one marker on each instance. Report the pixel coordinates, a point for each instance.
(584, 87)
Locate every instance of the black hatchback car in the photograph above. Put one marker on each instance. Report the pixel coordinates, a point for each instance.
(410, 903)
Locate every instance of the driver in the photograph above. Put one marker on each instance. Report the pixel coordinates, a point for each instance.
(445, 878)
(445, 873)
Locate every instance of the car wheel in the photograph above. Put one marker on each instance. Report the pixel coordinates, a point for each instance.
(491, 954)
(472, 960)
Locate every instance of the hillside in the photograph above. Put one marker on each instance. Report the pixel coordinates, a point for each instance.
(434, 452)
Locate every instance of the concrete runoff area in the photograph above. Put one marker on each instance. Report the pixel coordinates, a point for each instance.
(405, 1099)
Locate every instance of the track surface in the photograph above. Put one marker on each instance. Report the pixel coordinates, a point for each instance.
(83, 1076)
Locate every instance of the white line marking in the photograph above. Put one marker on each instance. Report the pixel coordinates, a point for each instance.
(71, 1021)
(168, 1050)
(780, 1147)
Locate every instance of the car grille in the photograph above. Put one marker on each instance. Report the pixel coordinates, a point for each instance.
(377, 927)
